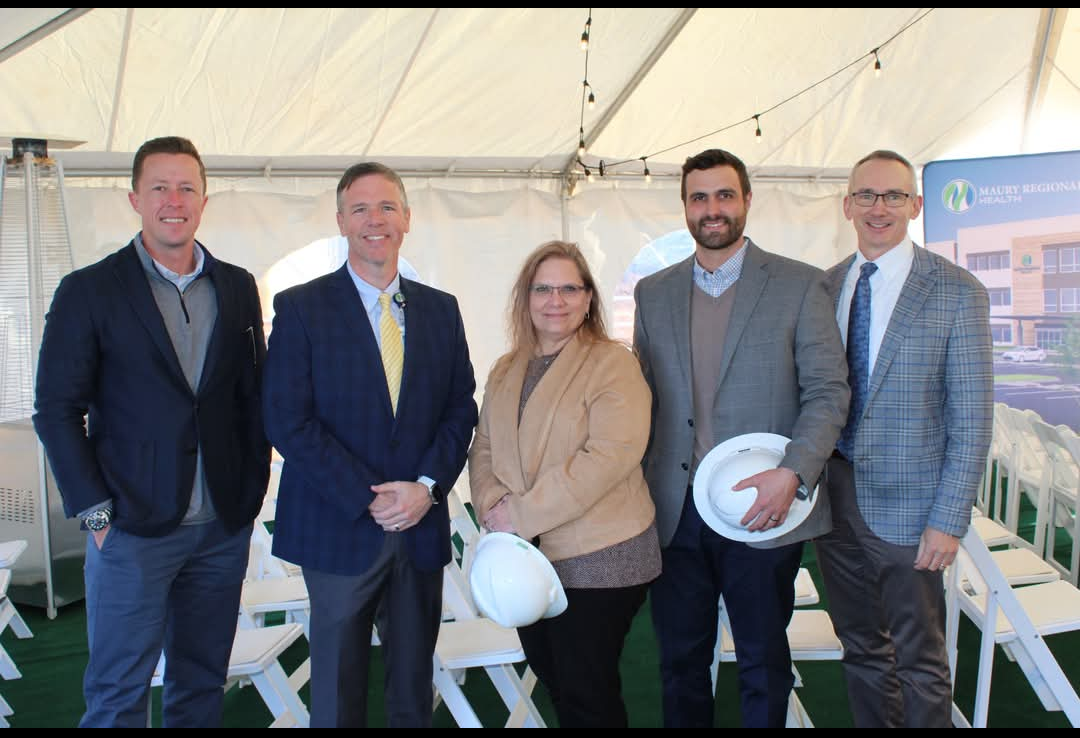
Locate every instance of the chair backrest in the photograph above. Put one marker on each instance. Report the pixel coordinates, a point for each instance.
(457, 597)
(1055, 443)
(1024, 438)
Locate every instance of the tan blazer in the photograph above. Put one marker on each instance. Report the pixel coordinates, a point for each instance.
(573, 467)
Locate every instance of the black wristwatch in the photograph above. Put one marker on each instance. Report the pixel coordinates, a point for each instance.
(98, 520)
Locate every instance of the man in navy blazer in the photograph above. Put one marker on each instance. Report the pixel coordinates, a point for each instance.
(160, 348)
(911, 456)
(369, 447)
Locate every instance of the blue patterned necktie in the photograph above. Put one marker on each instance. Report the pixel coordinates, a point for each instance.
(858, 358)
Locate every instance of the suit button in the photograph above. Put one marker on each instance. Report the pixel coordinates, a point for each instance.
(196, 406)
(690, 422)
(394, 444)
(685, 466)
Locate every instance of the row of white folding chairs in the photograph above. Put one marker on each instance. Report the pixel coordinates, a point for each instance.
(1028, 456)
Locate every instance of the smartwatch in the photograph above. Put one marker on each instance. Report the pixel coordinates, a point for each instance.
(434, 492)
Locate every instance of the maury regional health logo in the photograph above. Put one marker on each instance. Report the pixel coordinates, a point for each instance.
(958, 196)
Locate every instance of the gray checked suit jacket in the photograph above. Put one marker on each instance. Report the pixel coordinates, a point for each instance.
(922, 442)
(783, 371)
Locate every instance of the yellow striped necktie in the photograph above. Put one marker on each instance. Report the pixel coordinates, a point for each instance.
(392, 349)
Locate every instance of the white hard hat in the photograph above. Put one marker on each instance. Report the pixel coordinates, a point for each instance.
(513, 583)
(723, 508)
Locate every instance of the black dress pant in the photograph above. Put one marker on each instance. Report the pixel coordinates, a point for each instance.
(576, 655)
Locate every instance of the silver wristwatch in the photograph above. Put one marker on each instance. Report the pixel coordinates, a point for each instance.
(98, 520)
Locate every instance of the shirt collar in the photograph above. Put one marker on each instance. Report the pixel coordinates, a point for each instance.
(153, 267)
(893, 263)
(726, 275)
(370, 293)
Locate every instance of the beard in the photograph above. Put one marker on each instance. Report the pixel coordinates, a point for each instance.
(718, 240)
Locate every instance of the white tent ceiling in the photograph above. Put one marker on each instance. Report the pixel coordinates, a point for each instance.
(480, 109)
(473, 90)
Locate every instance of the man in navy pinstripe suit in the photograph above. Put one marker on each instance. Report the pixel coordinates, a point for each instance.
(904, 477)
(367, 455)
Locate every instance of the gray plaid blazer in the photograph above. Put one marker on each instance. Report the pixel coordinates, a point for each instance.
(925, 431)
(783, 371)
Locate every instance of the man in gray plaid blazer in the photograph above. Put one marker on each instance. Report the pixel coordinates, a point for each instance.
(904, 477)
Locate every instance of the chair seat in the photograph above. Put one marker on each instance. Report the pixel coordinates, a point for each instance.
(1021, 566)
(255, 650)
(271, 595)
(991, 532)
(811, 637)
(1052, 608)
(464, 644)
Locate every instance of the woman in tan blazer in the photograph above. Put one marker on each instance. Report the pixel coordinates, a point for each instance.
(557, 457)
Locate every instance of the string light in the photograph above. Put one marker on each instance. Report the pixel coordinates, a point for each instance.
(586, 88)
(648, 176)
(601, 167)
(756, 118)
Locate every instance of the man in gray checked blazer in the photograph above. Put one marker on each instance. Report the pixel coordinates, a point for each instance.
(733, 340)
(908, 464)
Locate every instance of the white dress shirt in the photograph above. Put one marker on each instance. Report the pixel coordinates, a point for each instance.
(893, 268)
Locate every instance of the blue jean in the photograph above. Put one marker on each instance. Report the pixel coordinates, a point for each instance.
(179, 592)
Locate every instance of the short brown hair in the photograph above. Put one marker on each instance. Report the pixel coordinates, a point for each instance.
(885, 155)
(165, 145)
(712, 158)
(366, 169)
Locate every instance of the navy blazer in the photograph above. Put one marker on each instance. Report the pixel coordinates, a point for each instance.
(107, 356)
(327, 410)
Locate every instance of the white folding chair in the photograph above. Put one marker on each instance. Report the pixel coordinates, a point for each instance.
(10, 551)
(1019, 565)
(465, 644)
(254, 660)
(1018, 620)
(992, 490)
(1058, 504)
(811, 637)
(288, 596)
(1026, 468)
(262, 564)
(469, 640)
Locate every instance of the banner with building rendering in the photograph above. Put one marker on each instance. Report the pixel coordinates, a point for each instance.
(1014, 222)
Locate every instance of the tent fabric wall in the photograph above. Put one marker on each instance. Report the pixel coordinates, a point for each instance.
(472, 244)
